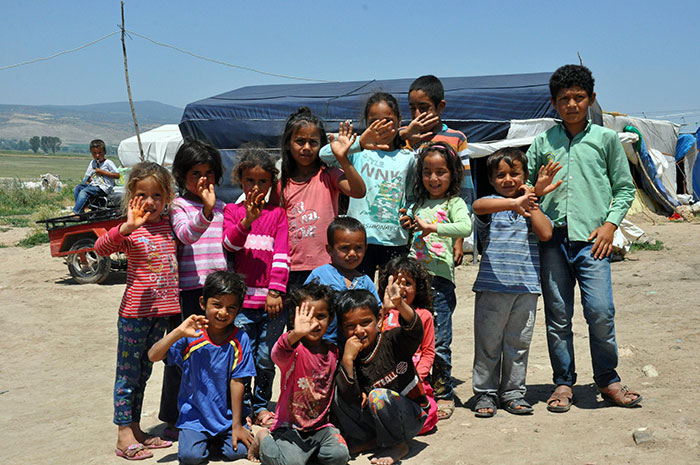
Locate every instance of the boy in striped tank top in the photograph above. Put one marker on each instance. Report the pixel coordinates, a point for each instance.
(509, 225)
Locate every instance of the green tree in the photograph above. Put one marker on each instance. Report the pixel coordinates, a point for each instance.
(35, 143)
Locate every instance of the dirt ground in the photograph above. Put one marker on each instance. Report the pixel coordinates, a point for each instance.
(58, 361)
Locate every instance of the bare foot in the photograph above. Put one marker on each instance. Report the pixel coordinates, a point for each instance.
(365, 446)
(129, 446)
(152, 442)
(254, 449)
(390, 455)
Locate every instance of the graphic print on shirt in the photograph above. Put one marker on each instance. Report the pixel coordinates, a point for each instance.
(302, 223)
(431, 243)
(162, 264)
(389, 195)
(307, 402)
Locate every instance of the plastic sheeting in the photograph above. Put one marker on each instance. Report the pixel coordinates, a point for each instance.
(481, 107)
(159, 145)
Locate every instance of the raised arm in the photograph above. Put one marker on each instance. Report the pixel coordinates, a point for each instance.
(351, 184)
(520, 205)
(191, 327)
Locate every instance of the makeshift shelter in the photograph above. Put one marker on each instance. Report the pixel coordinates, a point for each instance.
(482, 107)
(159, 145)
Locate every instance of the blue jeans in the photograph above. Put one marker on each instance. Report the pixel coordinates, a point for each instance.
(563, 263)
(194, 446)
(444, 303)
(263, 333)
(82, 193)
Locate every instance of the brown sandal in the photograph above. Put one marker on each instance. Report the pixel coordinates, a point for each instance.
(567, 398)
(616, 394)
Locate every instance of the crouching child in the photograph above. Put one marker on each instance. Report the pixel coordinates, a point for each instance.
(215, 359)
(380, 402)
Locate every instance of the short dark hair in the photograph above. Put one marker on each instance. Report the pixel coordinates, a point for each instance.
(315, 291)
(423, 279)
(569, 76)
(254, 154)
(222, 283)
(345, 223)
(356, 298)
(98, 143)
(432, 86)
(196, 152)
(508, 155)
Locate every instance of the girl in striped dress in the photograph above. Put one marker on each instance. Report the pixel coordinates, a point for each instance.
(257, 234)
(151, 295)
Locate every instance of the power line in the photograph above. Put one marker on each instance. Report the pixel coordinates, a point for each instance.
(59, 53)
(246, 68)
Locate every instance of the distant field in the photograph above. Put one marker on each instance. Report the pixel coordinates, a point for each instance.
(30, 166)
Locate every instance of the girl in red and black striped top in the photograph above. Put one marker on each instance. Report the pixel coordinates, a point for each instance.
(151, 294)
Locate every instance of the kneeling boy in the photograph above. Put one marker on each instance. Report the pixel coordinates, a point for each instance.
(215, 358)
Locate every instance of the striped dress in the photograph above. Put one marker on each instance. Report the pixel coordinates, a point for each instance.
(199, 251)
(151, 274)
(261, 254)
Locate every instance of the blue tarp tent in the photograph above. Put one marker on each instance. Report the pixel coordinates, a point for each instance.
(481, 107)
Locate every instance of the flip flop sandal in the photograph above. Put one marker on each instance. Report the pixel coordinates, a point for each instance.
(164, 443)
(518, 407)
(266, 419)
(445, 409)
(618, 397)
(485, 401)
(567, 397)
(132, 450)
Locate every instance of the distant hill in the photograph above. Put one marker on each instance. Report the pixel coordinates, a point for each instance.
(78, 124)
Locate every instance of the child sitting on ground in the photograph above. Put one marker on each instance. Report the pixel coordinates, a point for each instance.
(380, 400)
(507, 285)
(417, 293)
(214, 357)
(99, 177)
(347, 243)
(302, 429)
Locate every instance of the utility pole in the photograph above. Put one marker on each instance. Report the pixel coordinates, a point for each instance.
(128, 90)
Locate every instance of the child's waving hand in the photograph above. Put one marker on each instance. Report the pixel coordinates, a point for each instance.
(341, 145)
(418, 130)
(304, 322)
(136, 216)
(205, 191)
(193, 326)
(254, 204)
(378, 135)
(545, 176)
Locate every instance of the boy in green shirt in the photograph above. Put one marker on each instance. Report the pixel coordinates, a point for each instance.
(595, 190)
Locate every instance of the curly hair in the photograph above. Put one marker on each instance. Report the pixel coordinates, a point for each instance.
(314, 291)
(569, 76)
(148, 169)
(196, 152)
(302, 117)
(414, 269)
(454, 164)
(250, 155)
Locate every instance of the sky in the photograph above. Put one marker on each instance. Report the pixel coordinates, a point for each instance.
(644, 54)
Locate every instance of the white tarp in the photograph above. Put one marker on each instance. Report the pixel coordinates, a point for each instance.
(159, 145)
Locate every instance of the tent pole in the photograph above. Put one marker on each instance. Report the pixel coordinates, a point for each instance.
(128, 90)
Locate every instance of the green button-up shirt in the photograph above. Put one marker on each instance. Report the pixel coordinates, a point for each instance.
(597, 185)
